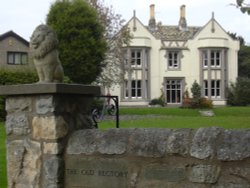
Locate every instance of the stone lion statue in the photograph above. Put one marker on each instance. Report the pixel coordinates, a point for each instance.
(43, 46)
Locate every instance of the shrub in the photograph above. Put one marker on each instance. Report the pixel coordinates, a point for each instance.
(186, 103)
(158, 101)
(196, 90)
(239, 92)
(197, 101)
(206, 103)
(11, 77)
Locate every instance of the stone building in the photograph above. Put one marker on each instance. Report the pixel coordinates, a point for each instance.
(166, 60)
(14, 51)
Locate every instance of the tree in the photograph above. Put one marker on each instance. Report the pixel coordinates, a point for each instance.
(239, 92)
(244, 61)
(196, 90)
(117, 36)
(239, 38)
(243, 5)
(82, 43)
(243, 56)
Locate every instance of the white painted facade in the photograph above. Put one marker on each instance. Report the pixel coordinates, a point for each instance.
(166, 60)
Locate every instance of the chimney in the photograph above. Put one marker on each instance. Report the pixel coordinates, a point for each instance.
(182, 21)
(183, 11)
(152, 22)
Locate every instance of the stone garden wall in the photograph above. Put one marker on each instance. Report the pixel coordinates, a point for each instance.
(158, 158)
(40, 118)
(51, 143)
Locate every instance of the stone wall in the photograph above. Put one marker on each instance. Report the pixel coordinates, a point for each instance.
(40, 118)
(158, 158)
(50, 144)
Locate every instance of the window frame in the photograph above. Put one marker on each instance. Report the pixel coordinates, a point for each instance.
(215, 88)
(173, 89)
(215, 61)
(136, 89)
(205, 88)
(136, 67)
(205, 58)
(136, 59)
(17, 58)
(173, 60)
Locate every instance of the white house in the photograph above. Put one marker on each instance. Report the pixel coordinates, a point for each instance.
(163, 59)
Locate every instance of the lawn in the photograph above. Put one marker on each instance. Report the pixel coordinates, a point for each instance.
(226, 117)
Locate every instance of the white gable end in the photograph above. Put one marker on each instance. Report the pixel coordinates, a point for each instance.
(213, 35)
(140, 34)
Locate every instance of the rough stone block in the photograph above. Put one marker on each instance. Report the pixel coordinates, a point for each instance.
(18, 104)
(207, 113)
(53, 169)
(148, 142)
(45, 105)
(52, 127)
(17, 124)
(52, 148)
(114, 141)
(24, 163)
(229, 181)
(83, 142)
(204, 173)
(15, 152)
(179, 141)
(234, 145)
(205, 142)
(243, 172)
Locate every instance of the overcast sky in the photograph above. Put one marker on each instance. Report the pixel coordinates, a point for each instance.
(22, 16)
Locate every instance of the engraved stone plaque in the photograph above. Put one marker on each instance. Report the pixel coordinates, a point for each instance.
(171, 174)
(81, 172)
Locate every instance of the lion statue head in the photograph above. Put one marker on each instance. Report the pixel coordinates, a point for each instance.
(43, 41)
(43, 48)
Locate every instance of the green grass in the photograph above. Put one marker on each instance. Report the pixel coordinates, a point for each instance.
(3, 179)
(226, 117)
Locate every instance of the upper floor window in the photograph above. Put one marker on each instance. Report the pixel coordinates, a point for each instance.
(17, 58)
(136, 58)
(205, 58)
(211, 58)
(173, 60)
(215, 58)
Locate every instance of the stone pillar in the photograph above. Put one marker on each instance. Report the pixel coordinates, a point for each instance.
(40, 118)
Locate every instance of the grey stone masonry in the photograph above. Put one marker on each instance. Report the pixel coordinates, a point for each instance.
(158, 158)
(40, 118)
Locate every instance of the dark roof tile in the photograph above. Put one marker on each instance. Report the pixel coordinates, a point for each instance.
(174, 33)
